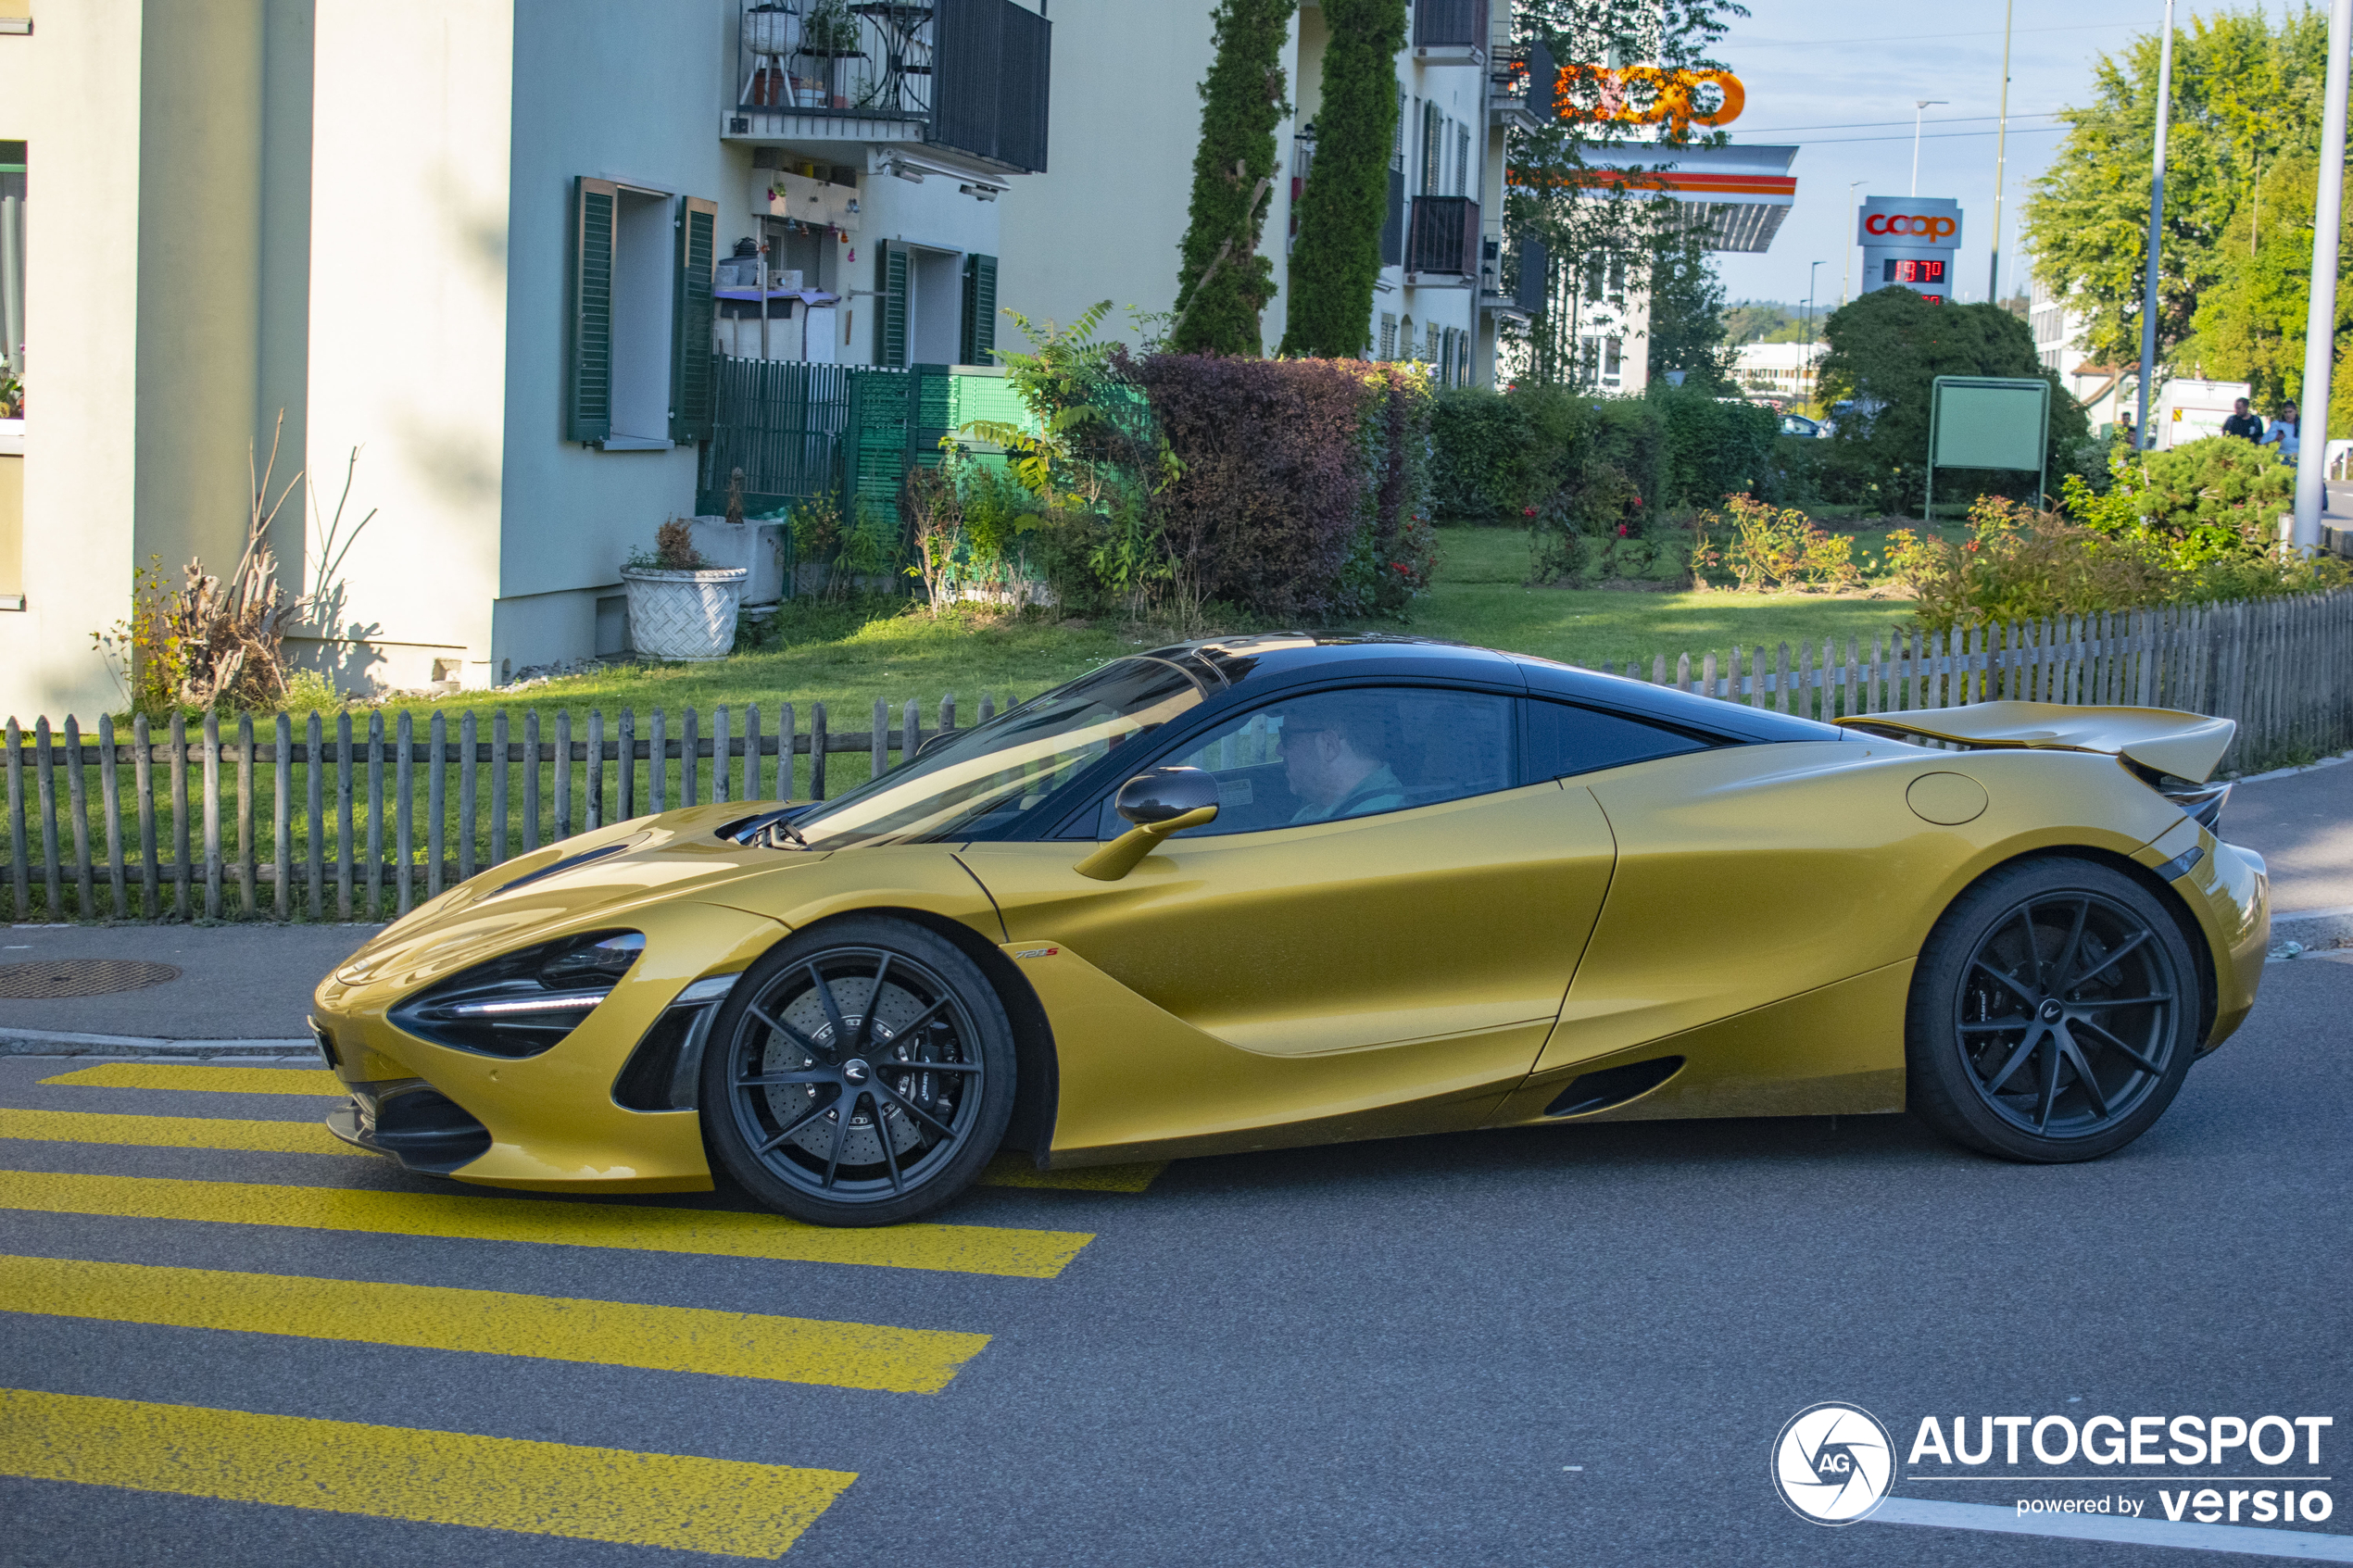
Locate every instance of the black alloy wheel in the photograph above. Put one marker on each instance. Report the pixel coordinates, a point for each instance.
(862, 1073)
(2054, 1014)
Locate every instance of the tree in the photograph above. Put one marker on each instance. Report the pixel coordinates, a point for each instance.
(2247, 93)
(2250, 326)
(1222, 281)
(1687, 315)
(1886, 350)
(1341, 212)
(1592, 224)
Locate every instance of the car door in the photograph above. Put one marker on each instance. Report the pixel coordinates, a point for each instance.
(1378, 875)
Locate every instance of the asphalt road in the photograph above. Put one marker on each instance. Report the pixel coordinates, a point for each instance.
(1390, 1353)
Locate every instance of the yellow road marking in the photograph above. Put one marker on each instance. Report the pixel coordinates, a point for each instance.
(212, 1080)
(1020, 1170)
(839, 1355)
(973, 1249)
(280, 1137)
(175, 1132)
(674, 1500)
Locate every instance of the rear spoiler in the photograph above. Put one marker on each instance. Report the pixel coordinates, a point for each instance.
(2187, 746)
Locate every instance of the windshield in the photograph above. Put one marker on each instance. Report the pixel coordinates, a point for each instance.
(976, 783)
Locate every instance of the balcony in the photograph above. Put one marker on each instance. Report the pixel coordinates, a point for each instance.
(1450, 31)
(1441, 243)
(948, 86)
(1523, 93)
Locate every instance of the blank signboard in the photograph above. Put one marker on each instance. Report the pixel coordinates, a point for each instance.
(1987, 422)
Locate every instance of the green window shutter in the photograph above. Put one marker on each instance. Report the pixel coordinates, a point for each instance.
(588, 346)
(690, 326)
(979, 343)
(890, 305)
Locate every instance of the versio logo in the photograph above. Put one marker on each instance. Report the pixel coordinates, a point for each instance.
(1832, 1463)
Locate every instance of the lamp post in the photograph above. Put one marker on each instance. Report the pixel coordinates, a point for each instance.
(1918, 106)
(1805, 349)
(2140, 432)
(2001, 154)
(1846, 261)
(2319, 323)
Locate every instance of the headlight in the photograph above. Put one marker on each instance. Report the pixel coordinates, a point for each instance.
(526, 1002)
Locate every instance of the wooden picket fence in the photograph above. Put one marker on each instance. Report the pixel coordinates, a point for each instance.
(363, 823)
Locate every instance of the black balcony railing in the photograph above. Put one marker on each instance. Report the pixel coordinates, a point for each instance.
(1533, 77)
(973, 72)
(1442, 236)
(1450, 24)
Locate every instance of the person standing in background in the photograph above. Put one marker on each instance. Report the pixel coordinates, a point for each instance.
(2243, 424)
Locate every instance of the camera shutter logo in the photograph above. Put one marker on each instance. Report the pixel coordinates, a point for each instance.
(1832, 1463)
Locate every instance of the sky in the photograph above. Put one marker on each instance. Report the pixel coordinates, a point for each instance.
(1839, 79)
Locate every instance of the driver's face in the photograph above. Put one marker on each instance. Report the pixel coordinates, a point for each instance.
(1308, 756)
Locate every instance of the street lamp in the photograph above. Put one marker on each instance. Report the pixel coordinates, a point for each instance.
(1918, 105)
(1805, 349)
(2156, 226)
(2001, 161)
(1847, 260)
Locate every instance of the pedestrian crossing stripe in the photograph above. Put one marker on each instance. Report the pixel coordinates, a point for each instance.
(425, 1317)
(682, 1502)
(175, 1132)
(1005, 1171)
(975, 1250)
(210, 1080)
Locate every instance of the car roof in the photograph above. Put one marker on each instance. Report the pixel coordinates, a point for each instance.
(1270, 661)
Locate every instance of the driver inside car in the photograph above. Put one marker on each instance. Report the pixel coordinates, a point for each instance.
(1335, 755)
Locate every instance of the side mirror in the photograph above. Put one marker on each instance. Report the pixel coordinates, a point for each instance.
(1163, 801)
(1149, 799)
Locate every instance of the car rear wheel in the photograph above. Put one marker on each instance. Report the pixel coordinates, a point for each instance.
(2054, 1014)
(860, 1073)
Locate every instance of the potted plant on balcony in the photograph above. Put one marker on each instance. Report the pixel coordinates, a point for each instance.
(680, 606)
(828, 33)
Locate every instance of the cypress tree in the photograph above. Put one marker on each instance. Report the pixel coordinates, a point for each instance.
(1338, 258)
(1222, 281)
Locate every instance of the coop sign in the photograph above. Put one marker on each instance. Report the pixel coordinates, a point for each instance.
(1649, 96)
(1909, 223)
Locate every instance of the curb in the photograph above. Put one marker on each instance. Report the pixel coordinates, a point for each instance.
(2313, 928)
(44, 1042)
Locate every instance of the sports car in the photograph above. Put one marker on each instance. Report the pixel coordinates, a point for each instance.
(1283, 890)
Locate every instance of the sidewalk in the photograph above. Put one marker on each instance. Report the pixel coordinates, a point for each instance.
(247, 984)
(251, 985)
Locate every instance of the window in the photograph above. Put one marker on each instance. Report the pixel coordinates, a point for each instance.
(1462, 160)
(638, 371)
(1330, 756)
(1405, 338)
(1389, 334)
(1429, 344)
(1433, 149)
(1613, 353)
(1564, 738)
(979, 345)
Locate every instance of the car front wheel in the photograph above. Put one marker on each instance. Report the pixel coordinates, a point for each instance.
(2054, 1014)
(860, 1073)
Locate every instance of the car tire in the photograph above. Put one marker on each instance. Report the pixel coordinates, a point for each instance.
(860, 1073)
(2054, 1013)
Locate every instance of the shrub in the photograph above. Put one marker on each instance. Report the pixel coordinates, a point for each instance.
(2021, 564)
(1283, 464)
(1709, 446)
(2218, 497)
(1775, 549)
(1481, 456)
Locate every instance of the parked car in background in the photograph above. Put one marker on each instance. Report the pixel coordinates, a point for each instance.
(1798, 424)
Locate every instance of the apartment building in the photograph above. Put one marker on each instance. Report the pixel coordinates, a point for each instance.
(477, 255)
(1105, 218)
(2059, 330)
(1785, 371)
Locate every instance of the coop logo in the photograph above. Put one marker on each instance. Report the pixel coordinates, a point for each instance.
(1917, 226)
(1832, 1463)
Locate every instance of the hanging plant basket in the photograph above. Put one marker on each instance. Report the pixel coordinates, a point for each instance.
(684, 614)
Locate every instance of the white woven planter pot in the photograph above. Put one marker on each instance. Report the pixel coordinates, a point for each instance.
(689, 615)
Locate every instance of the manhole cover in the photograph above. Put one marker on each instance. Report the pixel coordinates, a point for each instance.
(79, 978)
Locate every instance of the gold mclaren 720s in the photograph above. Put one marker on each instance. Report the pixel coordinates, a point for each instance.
(1258, 892)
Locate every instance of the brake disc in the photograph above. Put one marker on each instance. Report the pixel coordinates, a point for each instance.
(787, 1102)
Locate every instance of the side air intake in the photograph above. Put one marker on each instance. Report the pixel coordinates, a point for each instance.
(1613, 1085)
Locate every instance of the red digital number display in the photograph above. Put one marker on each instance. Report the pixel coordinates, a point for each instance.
(1912, 271)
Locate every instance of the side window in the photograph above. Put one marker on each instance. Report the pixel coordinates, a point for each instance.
(1333, 755)
(1564, 738)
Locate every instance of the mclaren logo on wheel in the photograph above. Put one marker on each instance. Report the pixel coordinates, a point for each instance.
(1832, 1463)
